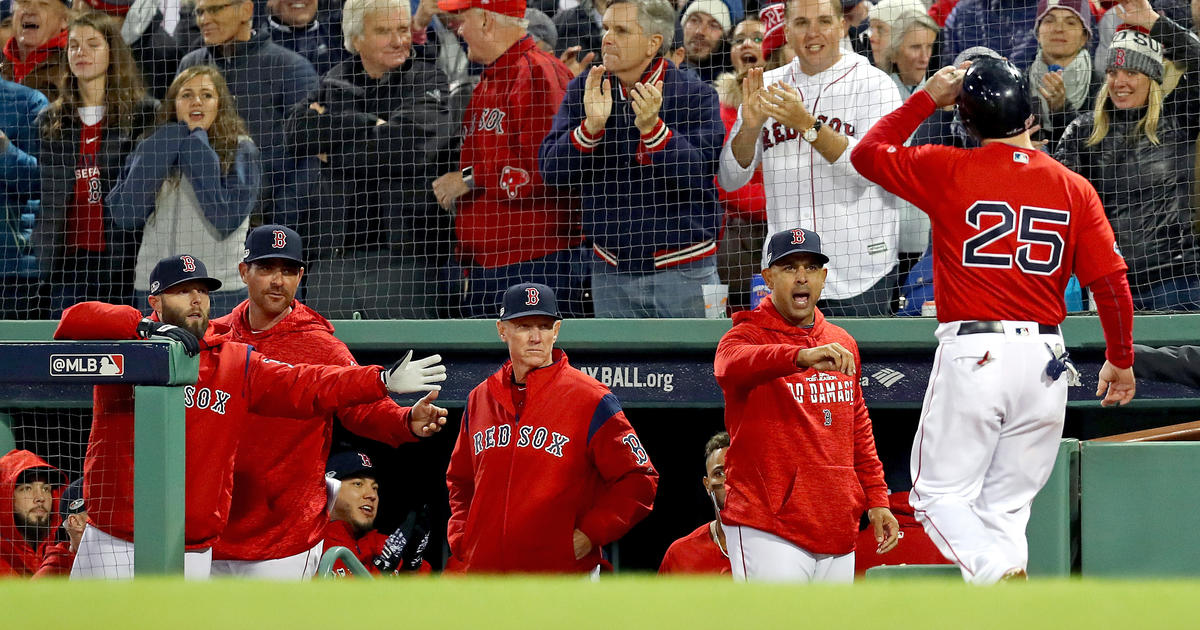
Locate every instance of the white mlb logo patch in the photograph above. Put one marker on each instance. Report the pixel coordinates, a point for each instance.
(1020, 158)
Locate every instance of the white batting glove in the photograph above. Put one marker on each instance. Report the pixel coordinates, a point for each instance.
(408, 376)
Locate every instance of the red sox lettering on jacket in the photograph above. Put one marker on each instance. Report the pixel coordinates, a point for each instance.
(777, 132)
(523, 478)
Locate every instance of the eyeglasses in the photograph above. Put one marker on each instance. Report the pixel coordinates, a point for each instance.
(212, 10)
(757, 39)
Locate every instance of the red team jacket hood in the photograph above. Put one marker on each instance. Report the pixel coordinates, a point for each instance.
(766, 316)
(301, 320)
(17, 556)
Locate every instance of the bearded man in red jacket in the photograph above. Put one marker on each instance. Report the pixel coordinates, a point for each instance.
(278, 518)
(235, 386)
(801, 465)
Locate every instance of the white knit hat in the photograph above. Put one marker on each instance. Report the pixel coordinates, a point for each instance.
(716, 8)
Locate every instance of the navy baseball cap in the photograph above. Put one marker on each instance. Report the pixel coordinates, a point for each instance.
(273, 241)
(528, 298)
(787, 242)
(71, 501)
(348, 464)
(174, 270)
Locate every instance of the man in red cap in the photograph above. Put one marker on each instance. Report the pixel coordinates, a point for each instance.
(35, 56)
(499, 179)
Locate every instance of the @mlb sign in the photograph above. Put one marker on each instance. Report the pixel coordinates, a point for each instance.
(87, 365)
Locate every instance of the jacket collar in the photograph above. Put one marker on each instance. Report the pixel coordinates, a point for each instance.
(510, 57)
(40, 54)
(500, 384)
(654, 73)
(301, 319)
(766, 316)
(259, 37)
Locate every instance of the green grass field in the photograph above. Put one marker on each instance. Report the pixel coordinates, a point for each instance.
(626, 603)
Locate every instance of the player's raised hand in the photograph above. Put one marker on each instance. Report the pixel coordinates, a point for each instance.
(408, 376)
(427, 418)
(944, 85)
(752, 113)
(887, 529)
(646, 101)
(831, 357)
(597, 100)
(1116, 385)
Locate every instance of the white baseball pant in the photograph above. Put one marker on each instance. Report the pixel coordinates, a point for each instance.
(101, 556)
(758, 556)
(986, 444)
(298, 567)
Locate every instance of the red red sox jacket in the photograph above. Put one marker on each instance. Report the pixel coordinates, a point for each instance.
(522, 482)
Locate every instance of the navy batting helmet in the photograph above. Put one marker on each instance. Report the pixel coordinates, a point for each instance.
(994, 101)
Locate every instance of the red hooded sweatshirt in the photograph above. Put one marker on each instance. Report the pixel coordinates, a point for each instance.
(234, 383)
(279, 473)
(19, 558)
(801, 462)
(22, 67)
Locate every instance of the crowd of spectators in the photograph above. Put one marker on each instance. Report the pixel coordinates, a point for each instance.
(435, 153)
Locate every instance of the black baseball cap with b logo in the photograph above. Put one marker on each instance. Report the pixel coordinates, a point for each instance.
(273, 241)
(347, 464)
(177, 269)
(528, 298)
(793, 241)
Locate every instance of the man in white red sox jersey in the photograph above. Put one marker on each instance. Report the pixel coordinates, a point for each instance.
(801, 128)
(546, 468)
(1010, 226)
(801, 465)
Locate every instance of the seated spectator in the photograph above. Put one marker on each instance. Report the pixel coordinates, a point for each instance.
(740, 250)
(705, 24)
(87, 133)
(579, 31)
(1063, 30)
(857, 36)
(159, 33)
(73, 512)
(35, 56)
(1005, 26)
(541, 29)
(643, 154)
(27, 516)
(19, 107)
(890, 20)
(382, 126)
(704, 551)
(190, 186)
(352, 522)
(296, 25)
(1138, 149)
(511, 226)
(267, 81)
(916, 548)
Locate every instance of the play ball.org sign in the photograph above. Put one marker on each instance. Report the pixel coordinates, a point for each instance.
(87, 364)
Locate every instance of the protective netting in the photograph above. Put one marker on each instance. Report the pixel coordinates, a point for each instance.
(443, 156)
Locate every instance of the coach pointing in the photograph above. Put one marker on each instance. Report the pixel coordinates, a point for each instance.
(801, 464)
(546, 468)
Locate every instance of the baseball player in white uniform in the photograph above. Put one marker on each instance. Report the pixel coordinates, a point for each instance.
(801, 129)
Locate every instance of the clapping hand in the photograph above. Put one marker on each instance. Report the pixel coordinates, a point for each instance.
(597, 100)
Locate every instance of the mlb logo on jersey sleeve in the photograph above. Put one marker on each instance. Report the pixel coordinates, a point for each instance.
(1020, 158)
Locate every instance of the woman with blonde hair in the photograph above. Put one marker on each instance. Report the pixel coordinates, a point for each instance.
(87, 131)
(192, 184)
(1137, 148)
